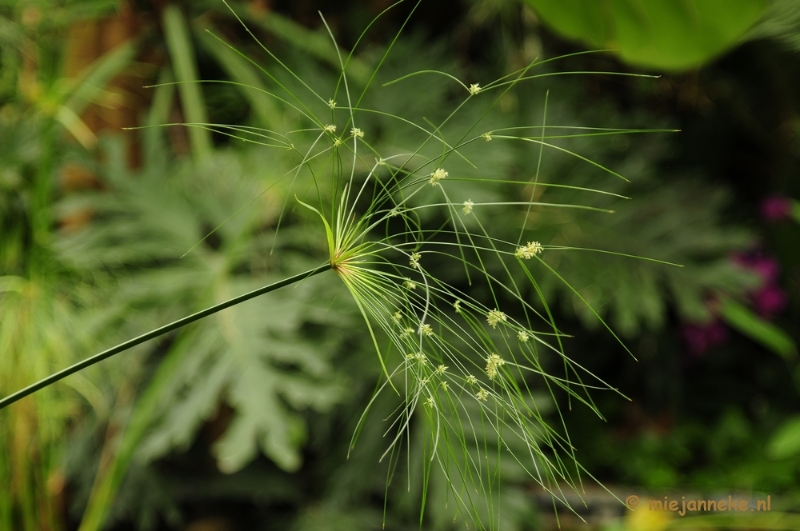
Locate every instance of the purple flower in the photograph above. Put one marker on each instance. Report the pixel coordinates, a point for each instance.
(774, 208)
(700, 338)
(766, 267)
(769, 301)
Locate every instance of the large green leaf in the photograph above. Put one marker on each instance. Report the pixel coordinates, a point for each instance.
(257, 358)
(665, 34)
(786, 441)
(781, 22)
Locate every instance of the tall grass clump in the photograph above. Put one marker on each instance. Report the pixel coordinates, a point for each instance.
(450, 298)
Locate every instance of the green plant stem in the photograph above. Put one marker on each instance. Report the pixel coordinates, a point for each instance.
(10, 399)
(179, 44)
(42, 201)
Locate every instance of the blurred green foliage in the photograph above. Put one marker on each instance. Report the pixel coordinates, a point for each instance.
(249, 415)
(660, 34)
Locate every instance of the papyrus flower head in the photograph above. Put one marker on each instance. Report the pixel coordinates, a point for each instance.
(493, 363)
(437, 176)
(528, 251)
(495, 317)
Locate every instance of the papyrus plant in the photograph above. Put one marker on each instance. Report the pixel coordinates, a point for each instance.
(459, 338)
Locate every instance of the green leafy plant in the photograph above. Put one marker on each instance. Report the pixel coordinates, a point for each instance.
(45, 308)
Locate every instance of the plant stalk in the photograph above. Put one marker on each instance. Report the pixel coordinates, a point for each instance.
(53, 378)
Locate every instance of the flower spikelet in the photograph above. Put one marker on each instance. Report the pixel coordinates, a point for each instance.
(414, 262)
(482, 394)
(474, 89)
(356, 132)
(523, 336)
(528, 251)
(419, 356)
(437, 176)
(330, 128)
(468, 204)
(426, 330)
(493, 362)
(409, 284)
(495, 317)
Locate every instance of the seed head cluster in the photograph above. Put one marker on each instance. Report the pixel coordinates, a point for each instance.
(528, 251)
(437, 176)
(493, 363)
(495, 317)
(418, 356)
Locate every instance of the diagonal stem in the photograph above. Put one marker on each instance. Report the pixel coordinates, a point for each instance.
(53, 378)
